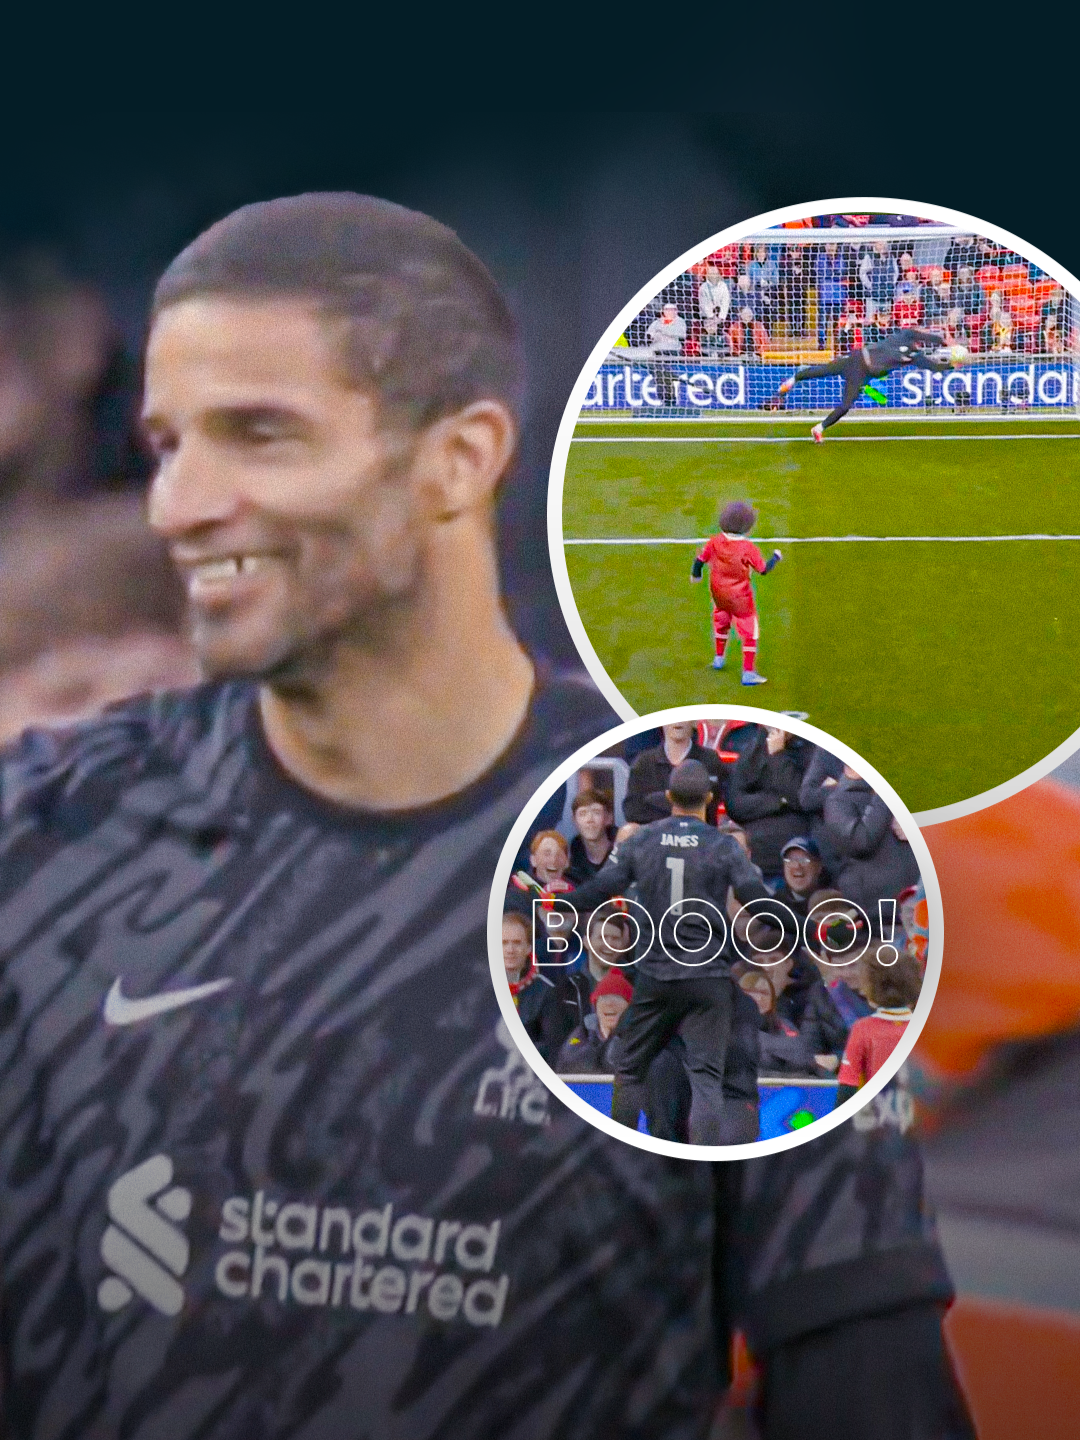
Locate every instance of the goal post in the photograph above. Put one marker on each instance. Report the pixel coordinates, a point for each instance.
(719, 338)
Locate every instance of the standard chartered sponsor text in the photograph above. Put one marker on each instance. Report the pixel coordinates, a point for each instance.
(374, 1260)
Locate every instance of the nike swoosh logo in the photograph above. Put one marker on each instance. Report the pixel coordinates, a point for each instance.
(119, 1010)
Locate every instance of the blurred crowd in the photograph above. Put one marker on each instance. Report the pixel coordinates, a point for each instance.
(827, 297)
(824, 843)
(90, 610)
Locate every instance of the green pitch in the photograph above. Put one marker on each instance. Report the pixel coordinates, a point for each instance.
(950, 666)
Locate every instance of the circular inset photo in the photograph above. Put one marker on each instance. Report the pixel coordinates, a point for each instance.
(857, 429)
(717, 931)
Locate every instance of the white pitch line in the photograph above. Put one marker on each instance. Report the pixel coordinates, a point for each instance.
(788, 439)
(833, 540)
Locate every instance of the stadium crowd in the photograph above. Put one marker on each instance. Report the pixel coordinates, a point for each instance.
(829, 297)
(823, 842)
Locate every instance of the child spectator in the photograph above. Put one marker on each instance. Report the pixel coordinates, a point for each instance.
(586, 1049)
(591, 846)
(549, 860)
(893, 991)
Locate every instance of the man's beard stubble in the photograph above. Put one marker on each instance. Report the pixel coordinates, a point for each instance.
(302, 657)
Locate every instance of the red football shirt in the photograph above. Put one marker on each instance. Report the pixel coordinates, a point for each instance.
(870, 1043)
(730, 560)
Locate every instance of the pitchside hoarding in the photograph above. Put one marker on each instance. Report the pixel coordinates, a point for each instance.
(731, 385)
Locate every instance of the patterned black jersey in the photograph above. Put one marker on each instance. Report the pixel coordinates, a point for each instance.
(270, 1165)
(904, 347)
(681, 870)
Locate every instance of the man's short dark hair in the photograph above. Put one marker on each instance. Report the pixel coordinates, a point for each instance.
(689, 784)
(738, 517)
(424, 326)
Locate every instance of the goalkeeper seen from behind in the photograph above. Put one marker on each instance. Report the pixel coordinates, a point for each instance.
(730, 557)
(898, 350)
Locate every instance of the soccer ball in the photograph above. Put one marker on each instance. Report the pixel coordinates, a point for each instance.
(958, 353)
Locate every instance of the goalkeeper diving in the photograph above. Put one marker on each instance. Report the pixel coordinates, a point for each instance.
(897, 351)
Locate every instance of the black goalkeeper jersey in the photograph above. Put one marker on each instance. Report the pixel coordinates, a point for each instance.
(271, 1166)
(680, 870)
(904, 347)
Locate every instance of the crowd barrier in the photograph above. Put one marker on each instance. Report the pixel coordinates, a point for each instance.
(786, 1103)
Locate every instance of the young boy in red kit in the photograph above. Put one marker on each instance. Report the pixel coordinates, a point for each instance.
(730, 557)
(893, 989)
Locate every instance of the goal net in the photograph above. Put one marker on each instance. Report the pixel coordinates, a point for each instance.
(722, 336)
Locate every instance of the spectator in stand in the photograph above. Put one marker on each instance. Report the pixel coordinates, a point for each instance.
(666, 336)
(802, 867)
(878, 274)
(1051, 340)
(937, 300)
(875, 859)
(968, 295)
(551, 1003)
(957, 332)
(713, 342)
(833, 1009)
(610, 942)
(878, 327)
(781, 1049)
(997, 326)
(763, 795)
(907, 298)
(714, 297)
(68, 393)
(516, 948)
(764, 276)
(549, 860)
(667, 333)
(893, 990)
(795, 270)
(586, 1050)
(596, 829)
(833, 286)
(91, 612)
(646, 791)
(737, 833)
(822, 773)
(794, 979)
(746, 335)
(849, 332)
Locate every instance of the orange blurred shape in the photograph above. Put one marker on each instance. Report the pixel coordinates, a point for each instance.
(1018, 1367)
(1010, 884)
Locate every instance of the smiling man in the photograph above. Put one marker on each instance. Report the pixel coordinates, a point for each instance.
(269, 1162)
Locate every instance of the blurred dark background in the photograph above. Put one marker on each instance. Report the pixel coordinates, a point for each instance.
(572, 211)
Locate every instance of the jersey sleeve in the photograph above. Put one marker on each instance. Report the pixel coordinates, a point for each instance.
(613, 878)
(706, 554)
(837, 1229)
(753, 554)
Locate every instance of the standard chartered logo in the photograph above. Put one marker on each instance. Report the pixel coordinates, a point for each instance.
(143, 1246)
(297, 1253)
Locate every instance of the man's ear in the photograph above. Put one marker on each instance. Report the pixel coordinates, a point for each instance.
(462, 457)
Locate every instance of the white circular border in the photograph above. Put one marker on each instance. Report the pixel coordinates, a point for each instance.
(673, 1148)
(561, 453)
